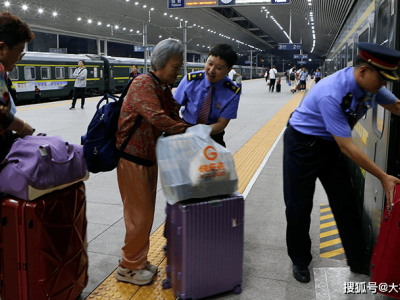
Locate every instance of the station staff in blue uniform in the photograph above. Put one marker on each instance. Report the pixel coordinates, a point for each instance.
(315, 142)
(195, 90)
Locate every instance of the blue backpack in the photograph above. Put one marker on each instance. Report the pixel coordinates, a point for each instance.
(99, 143)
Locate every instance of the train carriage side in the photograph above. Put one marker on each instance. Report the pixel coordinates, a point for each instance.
(377, 133)
(118, 70)
(52, 73)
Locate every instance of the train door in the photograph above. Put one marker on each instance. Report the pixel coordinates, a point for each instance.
(378, 137)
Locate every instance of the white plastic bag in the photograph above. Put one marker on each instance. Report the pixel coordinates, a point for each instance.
(193, 165)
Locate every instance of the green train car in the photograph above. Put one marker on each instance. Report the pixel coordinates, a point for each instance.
(52, 73)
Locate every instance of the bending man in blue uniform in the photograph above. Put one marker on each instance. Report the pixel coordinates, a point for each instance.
(315, 142)
(210, 97)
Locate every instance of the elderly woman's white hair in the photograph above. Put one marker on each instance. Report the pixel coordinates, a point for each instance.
(163, 51)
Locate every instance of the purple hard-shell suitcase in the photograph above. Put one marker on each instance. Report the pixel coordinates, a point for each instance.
(205, 246)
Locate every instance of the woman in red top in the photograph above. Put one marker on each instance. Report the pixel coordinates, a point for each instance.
(149, 96)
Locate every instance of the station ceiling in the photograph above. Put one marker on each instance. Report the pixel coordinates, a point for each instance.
(247, 24)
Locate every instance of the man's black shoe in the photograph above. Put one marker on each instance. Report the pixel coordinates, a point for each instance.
(72, 107)
(301, 273)
(361, 269)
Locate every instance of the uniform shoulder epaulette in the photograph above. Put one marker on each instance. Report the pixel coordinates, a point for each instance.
(232, 87)
(195, 76)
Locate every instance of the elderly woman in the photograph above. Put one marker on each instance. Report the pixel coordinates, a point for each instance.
(13, 35)
(149, 96)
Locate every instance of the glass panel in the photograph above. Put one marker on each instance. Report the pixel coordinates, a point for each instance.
(60, 72)
(45, 72)
(43, 42)
(350, 53)
(380, 117)
(30, 73)
(364, 37)
(383, 25)
(95, 72)
(14, 75)
(101, 73)
(70, 72)
(344, 54)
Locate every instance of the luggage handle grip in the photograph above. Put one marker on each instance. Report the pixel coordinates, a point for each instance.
(45, 150)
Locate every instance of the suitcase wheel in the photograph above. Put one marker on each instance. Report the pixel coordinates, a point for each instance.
(166, 284)
(237, 290)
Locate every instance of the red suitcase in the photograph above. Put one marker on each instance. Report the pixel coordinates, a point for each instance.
(385, 263)
(43, 248)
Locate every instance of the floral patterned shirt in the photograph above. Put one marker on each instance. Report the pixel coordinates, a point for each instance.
(154, 101)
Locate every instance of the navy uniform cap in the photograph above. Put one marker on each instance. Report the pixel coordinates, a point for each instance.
(384, 59)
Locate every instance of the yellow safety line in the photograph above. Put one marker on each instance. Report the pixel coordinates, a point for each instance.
(332, 253)
(325, 209)
(330, 243)
(330, 216)
(328, 233)
(247, 161)
(329, 224)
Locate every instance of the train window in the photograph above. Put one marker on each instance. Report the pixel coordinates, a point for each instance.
(70, 72)
(344, 57)
(378, 120)
(383, 24)
(95, 74)
(14, 75)
(60, 72)
(101, 73)
(364, 35)
(350, 50)
(45, 73)
(30, 73)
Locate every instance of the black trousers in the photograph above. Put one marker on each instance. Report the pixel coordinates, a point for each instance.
(272, 84)
(305, 159)
(80, 91)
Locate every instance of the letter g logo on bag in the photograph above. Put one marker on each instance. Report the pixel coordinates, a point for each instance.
(210, 153)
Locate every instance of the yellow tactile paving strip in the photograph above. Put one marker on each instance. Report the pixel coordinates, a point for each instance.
(247, 161)
(330, 244)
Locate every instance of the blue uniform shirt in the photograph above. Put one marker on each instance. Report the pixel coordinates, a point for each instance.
(191, 94)
(320, 113)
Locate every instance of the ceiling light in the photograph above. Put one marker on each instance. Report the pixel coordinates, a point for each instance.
(6, 4)
(99, 23)
(90, 21)
(124, 28)
(24, 7)
(79, 19)
(160, 36)
(116, 26)
(55, 14)
(40, 10)
(131, 30)
(108, 25)
(165, 14)
(136, 3)
(152, 8)
(144, 6)
(137, 31)
(127, 0)
(176, 18)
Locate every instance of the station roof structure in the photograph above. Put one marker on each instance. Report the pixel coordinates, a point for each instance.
(254, 27)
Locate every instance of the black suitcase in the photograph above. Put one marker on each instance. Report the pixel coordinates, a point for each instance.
(278, 87)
